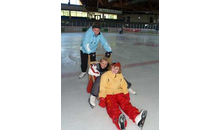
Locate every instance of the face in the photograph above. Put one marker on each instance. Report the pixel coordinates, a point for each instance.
(96, 31)
(115, 69)
(103, 64)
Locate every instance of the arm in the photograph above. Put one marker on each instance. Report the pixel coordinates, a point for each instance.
(125, 88)
(105, 44)
(103, 86)
(102, 93)
(124, 85)
(85, 43)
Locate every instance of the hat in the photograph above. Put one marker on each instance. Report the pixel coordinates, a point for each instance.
(96, 26)
(118, 64)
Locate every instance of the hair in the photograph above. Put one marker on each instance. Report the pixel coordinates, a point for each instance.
(110, 67)
(105, 59)
(96, 25)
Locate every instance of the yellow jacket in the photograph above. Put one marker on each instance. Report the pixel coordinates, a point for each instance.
(112, 84)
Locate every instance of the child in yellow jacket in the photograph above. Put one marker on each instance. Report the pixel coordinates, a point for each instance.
(114, 94)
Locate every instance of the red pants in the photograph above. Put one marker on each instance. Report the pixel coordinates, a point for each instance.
(113, 102)
(90, 84)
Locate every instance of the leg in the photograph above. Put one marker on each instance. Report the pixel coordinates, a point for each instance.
(96, 86)
(89, 86)
(94, 92)
(129, 88)
(114, 112)
(127, 107)
(128, 83)
(84, 62)
(131, 111)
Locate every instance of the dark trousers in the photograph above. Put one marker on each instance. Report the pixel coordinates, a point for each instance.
(84, 60)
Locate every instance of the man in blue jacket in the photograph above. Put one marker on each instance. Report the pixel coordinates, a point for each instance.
(89, 45)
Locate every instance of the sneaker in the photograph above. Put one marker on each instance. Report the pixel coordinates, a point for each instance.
(82, 75)
(140, 119)
(121, 122)
(92, 101)
(131, 91)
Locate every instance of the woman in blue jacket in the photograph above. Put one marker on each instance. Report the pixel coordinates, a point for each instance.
(89, 45)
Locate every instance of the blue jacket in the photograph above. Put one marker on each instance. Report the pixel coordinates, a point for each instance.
(90, 42)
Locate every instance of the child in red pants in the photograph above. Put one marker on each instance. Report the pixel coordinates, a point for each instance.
(96, 70)
(114, 94)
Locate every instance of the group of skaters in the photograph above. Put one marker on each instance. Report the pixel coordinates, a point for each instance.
(110, 86)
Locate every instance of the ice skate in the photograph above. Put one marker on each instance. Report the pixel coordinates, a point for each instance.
(82, 75)
(131, 91)
(121, 122)
(140, 119)
(92, 101)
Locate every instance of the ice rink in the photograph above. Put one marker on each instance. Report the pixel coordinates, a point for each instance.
(139, 56)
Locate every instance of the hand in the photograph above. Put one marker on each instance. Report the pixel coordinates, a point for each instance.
(102, 102)
(127, 96)
(108, 54)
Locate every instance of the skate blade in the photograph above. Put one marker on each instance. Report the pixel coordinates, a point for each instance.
(133, 93)
(81, 77)
(142, 121)
(122, 122)
(90, 104)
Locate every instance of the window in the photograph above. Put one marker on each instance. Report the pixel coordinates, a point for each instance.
(65, 13)
(110, 16)
(73, 13)
(75, 2)
(95, 15)
(78, 14)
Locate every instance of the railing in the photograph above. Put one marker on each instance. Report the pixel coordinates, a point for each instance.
(109, 24)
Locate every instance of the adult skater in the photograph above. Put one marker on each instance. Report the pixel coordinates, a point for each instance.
(89, 45)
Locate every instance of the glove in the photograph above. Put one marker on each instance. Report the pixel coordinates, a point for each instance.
(108, 54)
(127, 96)
(102, 102)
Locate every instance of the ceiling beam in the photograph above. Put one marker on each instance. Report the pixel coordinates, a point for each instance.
(156, 7)
(100, 1)
(150, 5)
(129, 7)
(120, 1)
